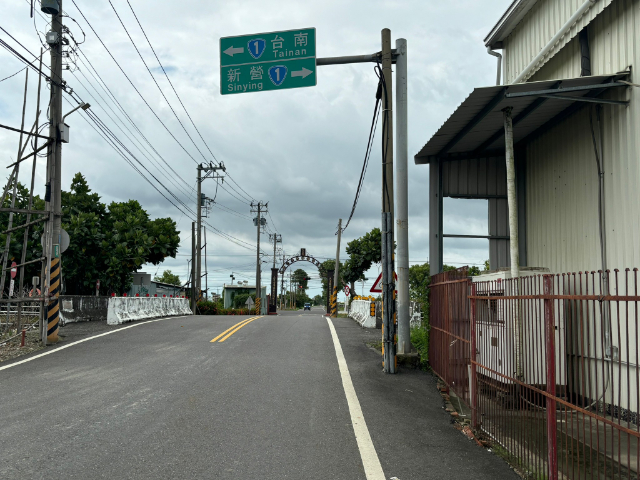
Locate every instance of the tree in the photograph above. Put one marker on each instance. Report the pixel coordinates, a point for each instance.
(34, 247)
(111, 243)
(363, 253)
(301, 278)
(328, 267)
(168, 277)
(419, 280)
(240, 300)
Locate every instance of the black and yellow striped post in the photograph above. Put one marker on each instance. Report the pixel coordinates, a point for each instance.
(257, 305)
(334, 302)
(53, 311)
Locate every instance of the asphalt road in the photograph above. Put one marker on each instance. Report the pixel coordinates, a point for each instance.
(161, 401)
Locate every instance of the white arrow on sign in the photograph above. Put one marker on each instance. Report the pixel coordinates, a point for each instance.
(304, 73)
(231, 51)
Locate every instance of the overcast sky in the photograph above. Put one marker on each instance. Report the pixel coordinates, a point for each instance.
(300, 150)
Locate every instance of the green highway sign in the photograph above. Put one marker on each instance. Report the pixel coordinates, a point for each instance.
(268, 61)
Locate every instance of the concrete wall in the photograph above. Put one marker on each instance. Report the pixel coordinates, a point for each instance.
(76, 308)
(360, 311)
(129, 309)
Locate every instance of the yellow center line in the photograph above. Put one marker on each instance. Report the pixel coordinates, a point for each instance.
(243, 325)
(231, 328)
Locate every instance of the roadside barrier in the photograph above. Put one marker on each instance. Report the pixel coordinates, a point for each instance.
(129, 309)
(361, 311)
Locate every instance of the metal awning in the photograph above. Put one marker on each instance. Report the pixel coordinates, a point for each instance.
(476, 128)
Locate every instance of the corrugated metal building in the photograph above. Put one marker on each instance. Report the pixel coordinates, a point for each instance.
(557, 173)
(568, 74)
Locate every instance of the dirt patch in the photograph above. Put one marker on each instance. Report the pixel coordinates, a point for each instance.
(12, 349)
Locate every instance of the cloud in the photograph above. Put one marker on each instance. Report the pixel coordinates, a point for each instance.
(300, 150)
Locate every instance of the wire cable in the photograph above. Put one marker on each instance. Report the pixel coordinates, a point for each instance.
(133, 85)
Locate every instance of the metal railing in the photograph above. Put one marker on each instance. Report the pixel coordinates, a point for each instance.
(555, 377)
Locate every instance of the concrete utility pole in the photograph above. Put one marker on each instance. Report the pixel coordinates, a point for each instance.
(259, 206)
(193, 269)
(402, 195)
(388, 320)
(209, 172)
(54, 190)
(336, 274)
(275, 238)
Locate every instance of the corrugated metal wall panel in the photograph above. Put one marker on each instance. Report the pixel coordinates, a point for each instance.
(562, 184)
(614, 47)
(539, 26)
(474, 178)
(562, 198)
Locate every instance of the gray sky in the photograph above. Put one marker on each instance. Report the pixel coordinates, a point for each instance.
(300, 150)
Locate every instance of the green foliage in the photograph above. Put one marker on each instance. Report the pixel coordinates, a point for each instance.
(420, 341)
(419, 279)
(215, 308)
(240, 300)
(317, 300)
(34, 248)
(168, 277)
(326, 267)
(111, 243)
(363, 252)
(301, 278)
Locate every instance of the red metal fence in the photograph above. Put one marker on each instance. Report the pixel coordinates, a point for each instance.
(554, 378)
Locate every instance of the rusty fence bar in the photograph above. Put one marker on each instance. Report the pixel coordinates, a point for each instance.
(570, 410)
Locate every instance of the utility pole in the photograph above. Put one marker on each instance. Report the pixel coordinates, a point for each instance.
(206, 273)
(275, 238)
(388, 319)
(282, 293)
(336, 275)
(402, 222)
(193, 269)
(261, 207)
(54, 167)
(209, 172)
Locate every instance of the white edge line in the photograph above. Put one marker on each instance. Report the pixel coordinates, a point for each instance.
(370, 460)
(86, 340)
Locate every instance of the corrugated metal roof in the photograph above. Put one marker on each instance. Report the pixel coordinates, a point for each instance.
(477, 125)
(516, 12)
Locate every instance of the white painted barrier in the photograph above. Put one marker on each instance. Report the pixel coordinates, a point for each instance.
(129, 309)
(360, 312)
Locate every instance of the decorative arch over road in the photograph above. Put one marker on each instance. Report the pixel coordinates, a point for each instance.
(295, 259)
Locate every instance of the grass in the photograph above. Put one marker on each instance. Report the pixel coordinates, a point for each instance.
(420, 341)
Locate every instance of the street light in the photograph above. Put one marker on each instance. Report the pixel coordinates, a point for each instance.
(64, 128)
(83, 105)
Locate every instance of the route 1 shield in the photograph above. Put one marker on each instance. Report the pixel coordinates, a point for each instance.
(256, 47)
(277, 74)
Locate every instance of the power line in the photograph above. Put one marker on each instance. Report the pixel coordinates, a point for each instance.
(154, 79)
(132, 84)
(367, 155)
(169, 80)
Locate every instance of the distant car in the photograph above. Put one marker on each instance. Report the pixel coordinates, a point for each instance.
(307, 306)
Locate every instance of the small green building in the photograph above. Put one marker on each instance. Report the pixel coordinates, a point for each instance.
(229, 292)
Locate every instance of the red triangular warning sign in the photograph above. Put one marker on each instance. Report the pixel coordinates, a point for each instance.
(377, 286)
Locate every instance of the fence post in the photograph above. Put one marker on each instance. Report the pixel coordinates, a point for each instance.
(550, 337)
(472, 358)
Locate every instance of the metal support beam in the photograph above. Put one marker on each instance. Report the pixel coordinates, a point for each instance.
(369, 58)
(435, 216)
(584, 88)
